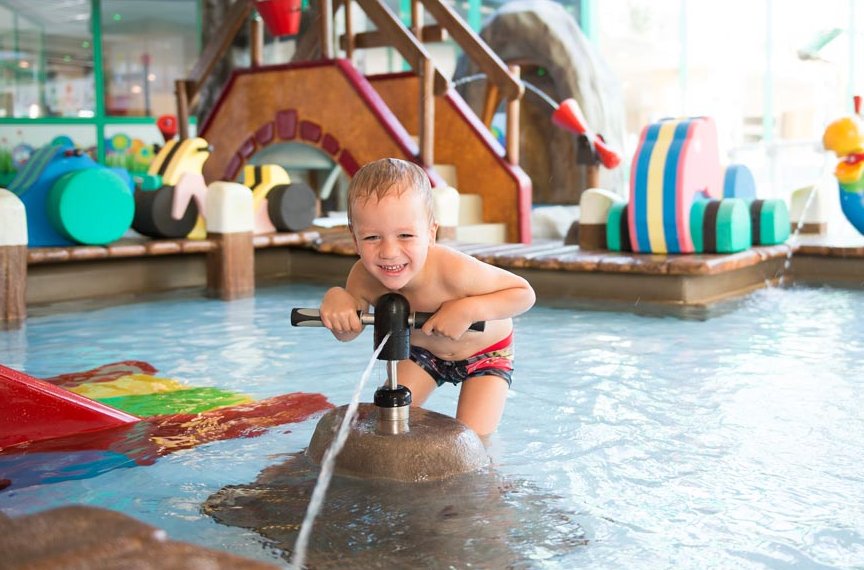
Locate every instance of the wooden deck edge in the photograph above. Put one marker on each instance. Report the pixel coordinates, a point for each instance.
(129, 276)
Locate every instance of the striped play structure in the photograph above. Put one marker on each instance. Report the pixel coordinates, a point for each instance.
(676, 161)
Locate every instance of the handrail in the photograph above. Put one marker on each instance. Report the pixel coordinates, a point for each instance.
(220, 44)
(475, 48)
(406, 44)
(187, 90)
(432, 82)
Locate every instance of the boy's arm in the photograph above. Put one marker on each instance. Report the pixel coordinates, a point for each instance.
(482, 292)
(340, 305)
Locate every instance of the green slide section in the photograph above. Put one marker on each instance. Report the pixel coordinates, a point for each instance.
(191, 401)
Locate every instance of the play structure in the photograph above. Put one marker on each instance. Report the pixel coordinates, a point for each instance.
(71, 199)
(681, 199)
(845, 137)
(324, 102)
(557, 63)
(82, 424)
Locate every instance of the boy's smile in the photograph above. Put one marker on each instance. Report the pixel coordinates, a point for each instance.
(393, 236)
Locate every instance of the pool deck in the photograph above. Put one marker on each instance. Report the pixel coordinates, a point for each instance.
(561, 274)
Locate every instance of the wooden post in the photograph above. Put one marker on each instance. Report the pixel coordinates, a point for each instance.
(326, 29)
(513, 123)
(426, 133)
(256, 51)
(417, 19)
(350, 40)
(230, 220)
(182, 109)
(13, 260)
(490, 103)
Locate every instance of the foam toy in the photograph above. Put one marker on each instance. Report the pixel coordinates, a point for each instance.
(845, 137)
(682, 201)
(617, 229)
(139, 417)
(173, 193)
(677, 160)
(769, 221)
(279, 204)
(738, 182)
(71, 199)
(720, 226)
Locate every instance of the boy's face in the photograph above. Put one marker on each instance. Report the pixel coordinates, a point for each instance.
(393, 236)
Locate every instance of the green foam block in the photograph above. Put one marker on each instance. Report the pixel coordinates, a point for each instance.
(92, 206)
(774, 225)
(614, 219)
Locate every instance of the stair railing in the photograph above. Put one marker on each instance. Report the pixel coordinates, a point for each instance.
(501, 80)
(187, 90)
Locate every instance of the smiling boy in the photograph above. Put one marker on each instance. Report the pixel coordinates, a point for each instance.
(391, 220)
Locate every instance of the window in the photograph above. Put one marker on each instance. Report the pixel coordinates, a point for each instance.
(46, 59)
(147, 45)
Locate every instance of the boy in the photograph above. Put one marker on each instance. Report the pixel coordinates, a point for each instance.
(390, 218)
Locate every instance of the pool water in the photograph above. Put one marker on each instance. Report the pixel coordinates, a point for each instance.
(628, 441)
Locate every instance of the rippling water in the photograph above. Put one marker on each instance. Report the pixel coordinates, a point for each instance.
(730, 442)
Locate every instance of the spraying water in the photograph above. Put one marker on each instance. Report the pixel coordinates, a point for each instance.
(298, 557)
(793, 239)
(795, 233)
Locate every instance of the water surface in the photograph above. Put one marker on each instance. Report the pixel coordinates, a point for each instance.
(729, 442)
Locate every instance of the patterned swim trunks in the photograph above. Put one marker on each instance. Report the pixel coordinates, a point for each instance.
(496, 360)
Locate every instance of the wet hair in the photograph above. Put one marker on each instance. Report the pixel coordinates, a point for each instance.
(387, 176)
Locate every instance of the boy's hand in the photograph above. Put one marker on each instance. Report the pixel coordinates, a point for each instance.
(338, 313)
(450, 320)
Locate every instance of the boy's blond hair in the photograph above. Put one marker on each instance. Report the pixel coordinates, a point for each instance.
(389, 175)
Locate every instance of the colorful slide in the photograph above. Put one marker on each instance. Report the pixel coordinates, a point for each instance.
(79, 425)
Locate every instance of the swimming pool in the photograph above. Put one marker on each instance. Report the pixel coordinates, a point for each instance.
(643, 441)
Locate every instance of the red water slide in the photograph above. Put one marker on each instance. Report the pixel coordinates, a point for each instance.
(34, 410)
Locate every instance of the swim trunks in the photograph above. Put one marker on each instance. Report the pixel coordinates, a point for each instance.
(496, 360)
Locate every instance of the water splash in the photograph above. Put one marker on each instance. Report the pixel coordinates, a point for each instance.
(794, 237)
(327, 464)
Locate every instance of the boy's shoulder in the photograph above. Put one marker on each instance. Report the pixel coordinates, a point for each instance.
(447, 255)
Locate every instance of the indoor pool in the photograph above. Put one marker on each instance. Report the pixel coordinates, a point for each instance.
(628, 441)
